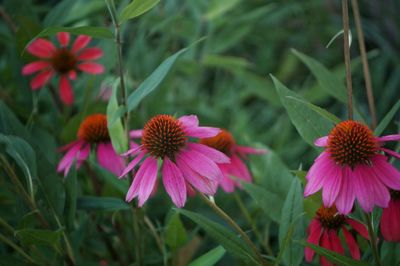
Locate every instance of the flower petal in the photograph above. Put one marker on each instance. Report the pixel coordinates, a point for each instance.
(41, 48)
(335, 242)
(148, 181)
(136, 133)
(325, 243)
(362, 188)
(238, 169)
(243, 150)
(390, 226)
(63, 38)
(109, 159)
(81, 42)
(174, 183)
(386, 173)
(318, 172)
(314, 228)
(66, 92)
(189, 121)
(90, 54)
(41, 79)
(91, 68)
(201, 164)
(395, 137)
(209, 152)
(359, 227)
(34, 67)
(132, 164)
(391, 153)
(331, 186)
(351, 243)
(321, 142)
(70, 156)
(346, 197)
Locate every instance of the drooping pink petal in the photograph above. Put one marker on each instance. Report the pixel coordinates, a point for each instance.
(381, 193)
(81, 42)
(201, 164)
(109, 159)
(227, 184)
(317, 173)
(199, 182)
(69, 158)
(363, 189)
(136, 133)
(174, 183)
(148, 180)
(34, 67)
(66, 93)
(359, 227)
(189, 121)
(390, 225)
(332, 184)
(190, 190)
(63, 38)
(41, 79)
(239, 169)
(386, 173)
(335, 242)
(346, 197)
(243, 150)
(133, 151)
(321, 142)
(213, 154)
(391, 153)
(72, 74)
(41, 48)
(395, 137)
(90, 53)
(325, 243)
(132, 164)
(314, 229)
(83, 155)
(134, 188)
(352, 244)
(91, 68)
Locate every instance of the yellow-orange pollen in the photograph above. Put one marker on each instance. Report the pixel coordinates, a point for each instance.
(222, 142)
(94, 129)
(63, 60)
(394, 194)
(351, 143)
(163, 136)
(330, 218)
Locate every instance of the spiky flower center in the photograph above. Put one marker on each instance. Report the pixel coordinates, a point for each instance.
(94, 129)
(330, 218)
(222, 142)
(63, 60)
(351, 143)
(394, 194)
(163, 136)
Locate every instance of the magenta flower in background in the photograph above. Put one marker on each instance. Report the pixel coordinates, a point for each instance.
(324, 231)
(92, 133)
(390, 220)
(224, 142)
(351, 167)
(63, 61)
(184, 163)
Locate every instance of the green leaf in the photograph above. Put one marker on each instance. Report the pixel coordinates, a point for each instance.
(231, 242)
(115, 127)
(175, 233)
(152, 82)
(70, 184)
(9, 123)
(210, 258)
(326, 79)
(137, 8)
(218, 8)
(334, 257)
(90, 203)
(386, 120)
(292, 210)
(39, 237)
(268, 201)
(310, 124)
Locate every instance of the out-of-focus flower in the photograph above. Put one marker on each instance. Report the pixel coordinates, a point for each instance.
(224, 142)
(390, 221)
(63, 61)
(92, 133)
(184, 163)
(351, 167)
(324, 231)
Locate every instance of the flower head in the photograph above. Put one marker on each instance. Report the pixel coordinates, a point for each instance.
(390, 221)
(63, 61)
(324, 231)
(352, 167)
(225, 143)
(184, 164)
(92, 133)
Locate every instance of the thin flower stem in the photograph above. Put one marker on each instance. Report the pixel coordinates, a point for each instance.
(138, 240)
(373, 239)
(345, 13)
(59, 105)
(247, 216)
(234, 225)
(364, 59)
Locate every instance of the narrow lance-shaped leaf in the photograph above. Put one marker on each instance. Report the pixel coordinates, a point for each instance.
(386, 120)
(137, 8)
(175, 234)
(210, 258)
(90, 203)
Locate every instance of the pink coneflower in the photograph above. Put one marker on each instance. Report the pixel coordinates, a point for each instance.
(92, 133)
(390, 221)
(324, 231)
(62, 61)
(351, 167)
(184, 163)
(224, 142)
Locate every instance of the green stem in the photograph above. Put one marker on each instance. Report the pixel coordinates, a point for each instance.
(234, 225)
(345, 12)
(138, 240)
(373, 239)
(16, 248)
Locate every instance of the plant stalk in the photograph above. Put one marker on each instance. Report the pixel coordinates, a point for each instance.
(345, 13)
(373, 239)
(234, 225)
(364, 59)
